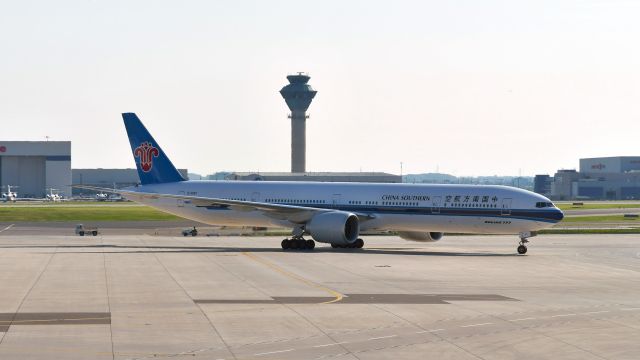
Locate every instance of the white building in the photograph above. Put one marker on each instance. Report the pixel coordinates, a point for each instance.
(35, 166)
(606, 178)
(372, 177)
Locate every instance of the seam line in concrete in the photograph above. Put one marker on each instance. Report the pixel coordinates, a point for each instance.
(106, 284)
(44, 268)
(213, 327)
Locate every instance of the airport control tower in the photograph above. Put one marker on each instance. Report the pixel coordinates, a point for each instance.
(298, 95)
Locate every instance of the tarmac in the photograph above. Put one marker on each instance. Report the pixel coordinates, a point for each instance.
(141, 296)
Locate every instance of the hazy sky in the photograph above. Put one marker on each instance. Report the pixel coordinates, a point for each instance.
(466, 87)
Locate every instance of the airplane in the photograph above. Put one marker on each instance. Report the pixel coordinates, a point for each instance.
(9, 195)
(334, 213)
(53, 197)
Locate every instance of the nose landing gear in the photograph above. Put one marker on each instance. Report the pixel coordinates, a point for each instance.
(522, 248)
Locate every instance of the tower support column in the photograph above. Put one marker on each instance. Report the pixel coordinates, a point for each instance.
(298, 141)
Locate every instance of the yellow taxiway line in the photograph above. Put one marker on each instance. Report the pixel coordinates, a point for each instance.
(338, 296)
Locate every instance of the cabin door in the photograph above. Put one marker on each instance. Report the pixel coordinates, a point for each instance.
(506, 207)
(335, 200)
(435, 207)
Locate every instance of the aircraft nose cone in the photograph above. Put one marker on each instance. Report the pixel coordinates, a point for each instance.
(560, 215)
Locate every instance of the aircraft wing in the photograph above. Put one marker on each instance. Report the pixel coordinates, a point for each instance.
(293, 213)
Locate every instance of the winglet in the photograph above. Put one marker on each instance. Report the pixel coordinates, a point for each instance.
(154, 166)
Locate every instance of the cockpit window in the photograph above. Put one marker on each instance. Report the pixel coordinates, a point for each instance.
(543, 204)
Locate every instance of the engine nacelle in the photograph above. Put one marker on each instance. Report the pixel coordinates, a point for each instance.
(420, 236)
(335, 227)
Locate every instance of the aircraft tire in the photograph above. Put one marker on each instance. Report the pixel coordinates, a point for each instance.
(285, 244)
(81, 233)
(310, 244)
(522, 249)
(359, 244)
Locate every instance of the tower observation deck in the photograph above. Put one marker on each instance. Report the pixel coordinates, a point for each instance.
(298, 95)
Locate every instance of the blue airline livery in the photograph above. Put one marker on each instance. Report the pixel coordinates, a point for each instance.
(334, 213)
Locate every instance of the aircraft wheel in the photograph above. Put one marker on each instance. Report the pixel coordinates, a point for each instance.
(311, 244)
(285, 244)
(522, 249)
(335, 246)
(94, 233)
(194, 233)
(81, 233)
(359, 244)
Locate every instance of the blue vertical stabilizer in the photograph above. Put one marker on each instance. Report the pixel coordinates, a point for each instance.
(154, 167)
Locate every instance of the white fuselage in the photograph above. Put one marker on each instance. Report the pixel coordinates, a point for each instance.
(396, 207)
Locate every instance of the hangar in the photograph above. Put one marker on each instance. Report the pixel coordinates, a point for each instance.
(35, 166)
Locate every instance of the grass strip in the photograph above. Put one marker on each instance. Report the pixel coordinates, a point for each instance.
(591, 231)
(63, 213)
(603, 218)
(586, 206)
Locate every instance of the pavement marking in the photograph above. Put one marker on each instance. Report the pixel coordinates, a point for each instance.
(273, 352)
(563, 315)
(338, 296)
(630, 309)
(7, 228)
(20, 322)
(473, 325)
(524, 319)
(595, 312)
(382, 337)
(325, 345)
(428, 331)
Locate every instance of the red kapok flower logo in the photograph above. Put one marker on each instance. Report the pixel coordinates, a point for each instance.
(146, 152)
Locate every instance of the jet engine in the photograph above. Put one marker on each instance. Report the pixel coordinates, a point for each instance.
(335, 227)
(420, 236)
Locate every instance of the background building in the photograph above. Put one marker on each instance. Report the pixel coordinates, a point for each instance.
(35, 166)
(542, 184)
(107, 178)
(317, 176)
(617, 165)
(607, 178)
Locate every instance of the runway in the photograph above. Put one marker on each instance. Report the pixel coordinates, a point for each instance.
(151, 297)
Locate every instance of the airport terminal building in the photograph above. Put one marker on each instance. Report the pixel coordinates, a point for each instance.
(605, 178)
(372, 177)
(34, 167)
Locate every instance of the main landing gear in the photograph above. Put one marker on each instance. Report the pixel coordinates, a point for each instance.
(298, 244)
(522, 248)
(358, 244)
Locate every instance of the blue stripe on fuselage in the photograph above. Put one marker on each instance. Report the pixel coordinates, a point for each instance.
(543, 215)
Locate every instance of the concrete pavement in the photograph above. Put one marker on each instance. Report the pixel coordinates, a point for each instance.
(143, 297)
